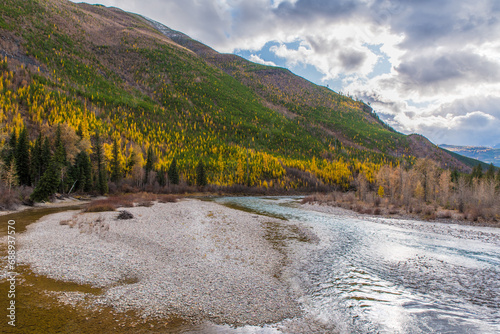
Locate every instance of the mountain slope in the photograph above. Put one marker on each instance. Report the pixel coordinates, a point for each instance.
(322, 110)
(98, 69)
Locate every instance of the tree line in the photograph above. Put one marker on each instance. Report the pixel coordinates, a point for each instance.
(426, 187)
(60, 159)
(46, 166)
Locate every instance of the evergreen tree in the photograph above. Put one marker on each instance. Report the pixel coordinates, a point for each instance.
(130, 163)
(79, 131)
(477, 172)
(61, 158)
(116, 172)
(49, 182)
(83, 172)
(490, 173)
(11, 149)
(149, 164)
(86, 168)
(59, 147)
(22, 156)
(201, 176)
(161, 176)
(102, 185)
(36, 160)
(498, 179)
(454, 176)
(173, 174)
(45, 161)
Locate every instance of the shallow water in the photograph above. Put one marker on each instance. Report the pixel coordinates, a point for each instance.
(367, 276)
(389, 276)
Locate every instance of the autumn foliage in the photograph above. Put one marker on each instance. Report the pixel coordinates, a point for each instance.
(112, 112)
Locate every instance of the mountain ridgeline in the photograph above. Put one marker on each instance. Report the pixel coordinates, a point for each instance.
(482, 153)
(81, 71)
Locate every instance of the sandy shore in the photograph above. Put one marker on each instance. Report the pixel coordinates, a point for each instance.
(194, 259)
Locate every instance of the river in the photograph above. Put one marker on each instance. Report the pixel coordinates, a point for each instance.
(388, 276)
(366, 275)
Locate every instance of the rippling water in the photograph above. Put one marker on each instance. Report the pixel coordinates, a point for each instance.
(380, 275)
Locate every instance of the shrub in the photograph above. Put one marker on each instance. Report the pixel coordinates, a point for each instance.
(125, 215)
(100, 206)
(7, 200)
(112, 188)
(443, 214)
(110, 204)
(368, 211)
(473, 214)
(24, 194)
(167, 198)
(127, 188)
(308, 199)
(393, 211)
(145, 203)
(428, 211)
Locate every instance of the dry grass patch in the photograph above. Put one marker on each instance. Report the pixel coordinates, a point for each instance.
(167, 198)
(443, 214)
(101, 205)
(129, 200)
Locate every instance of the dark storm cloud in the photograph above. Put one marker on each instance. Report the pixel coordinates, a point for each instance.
(427, 23)
(351, 59)
(487, 104)
(442, 42)
(322, 45)
(314, 9)
(438, 72)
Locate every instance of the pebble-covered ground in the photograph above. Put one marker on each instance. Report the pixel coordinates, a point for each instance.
(194, 259)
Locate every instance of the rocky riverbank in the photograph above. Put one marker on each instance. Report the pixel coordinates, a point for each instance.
(193, 259)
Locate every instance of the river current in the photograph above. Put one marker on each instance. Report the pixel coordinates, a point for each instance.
(375, 275)
(365, 275)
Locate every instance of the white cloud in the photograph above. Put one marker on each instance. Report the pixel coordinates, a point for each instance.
(257, 59)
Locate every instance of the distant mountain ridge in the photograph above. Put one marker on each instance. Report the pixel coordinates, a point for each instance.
(482, 153)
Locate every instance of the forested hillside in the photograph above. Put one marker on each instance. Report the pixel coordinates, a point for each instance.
(103, 95)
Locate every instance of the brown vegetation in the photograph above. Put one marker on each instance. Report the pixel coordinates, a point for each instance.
(11, 199)
(129, 200)
(101, 206)
(425, 191)
(166, 198)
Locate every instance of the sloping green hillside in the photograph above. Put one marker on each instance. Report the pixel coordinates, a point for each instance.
(96, 69)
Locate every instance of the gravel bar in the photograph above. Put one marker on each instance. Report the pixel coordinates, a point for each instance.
(194, 259)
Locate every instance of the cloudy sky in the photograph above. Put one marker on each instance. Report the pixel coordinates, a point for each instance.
(426, 66)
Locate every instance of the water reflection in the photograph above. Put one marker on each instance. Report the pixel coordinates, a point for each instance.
(392, 276)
